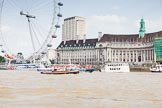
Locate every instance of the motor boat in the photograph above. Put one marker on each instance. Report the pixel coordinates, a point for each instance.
(156, 68)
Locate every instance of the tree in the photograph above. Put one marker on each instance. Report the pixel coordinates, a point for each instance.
(52, 61)
(2, 59)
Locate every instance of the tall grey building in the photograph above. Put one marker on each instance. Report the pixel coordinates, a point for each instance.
(73, 28)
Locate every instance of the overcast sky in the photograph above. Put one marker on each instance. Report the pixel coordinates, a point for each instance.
(106, 16)
(116, 16)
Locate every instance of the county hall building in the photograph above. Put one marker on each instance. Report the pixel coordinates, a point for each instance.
(130, 48)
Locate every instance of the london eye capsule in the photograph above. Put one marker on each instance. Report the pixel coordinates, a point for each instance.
(54, 36)
(57, 26)
(43, 53)
(60, 4)
(59, 15)
(49, 45)
(3, 51)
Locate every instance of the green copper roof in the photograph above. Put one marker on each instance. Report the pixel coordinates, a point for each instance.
(142, 29)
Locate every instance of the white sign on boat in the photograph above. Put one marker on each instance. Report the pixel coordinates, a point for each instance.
(116, 67)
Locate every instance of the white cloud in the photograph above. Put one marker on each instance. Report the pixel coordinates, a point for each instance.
(115, 24)
(153, 25)
(115, 8)
(107, 24)
(5, 28)
(17, 39)
(112, 19)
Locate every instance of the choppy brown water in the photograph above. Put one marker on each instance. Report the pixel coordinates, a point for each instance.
(24, 89)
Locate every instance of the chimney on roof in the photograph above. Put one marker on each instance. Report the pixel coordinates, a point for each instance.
(64, 42)
(99, 35)
(77, 41)
(84, 39)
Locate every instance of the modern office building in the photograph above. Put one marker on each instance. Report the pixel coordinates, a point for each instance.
(73, 28)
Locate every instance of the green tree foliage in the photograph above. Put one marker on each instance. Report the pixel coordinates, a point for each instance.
(52, 61)
(2, 59)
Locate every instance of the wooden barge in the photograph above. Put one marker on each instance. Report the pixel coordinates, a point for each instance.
(62, 72)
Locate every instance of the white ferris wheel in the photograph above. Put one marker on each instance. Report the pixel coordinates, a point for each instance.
(28, 26)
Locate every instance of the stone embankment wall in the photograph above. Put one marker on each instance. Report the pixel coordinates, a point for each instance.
(139, 69)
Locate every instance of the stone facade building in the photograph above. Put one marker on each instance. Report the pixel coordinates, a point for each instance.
(109, 48)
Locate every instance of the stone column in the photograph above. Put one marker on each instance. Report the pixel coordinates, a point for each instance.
(119, 56)
(136, 55)
(129, 55)
(149, 55)
(144, 55)
(114, 55)
(133, 55)
(126, 56)
(106, 54)
(152, 54)
(122, 55)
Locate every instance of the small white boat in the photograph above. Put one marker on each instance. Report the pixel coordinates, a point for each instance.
(44, 69)
(116, 67)
(25, 66)
(157, 68)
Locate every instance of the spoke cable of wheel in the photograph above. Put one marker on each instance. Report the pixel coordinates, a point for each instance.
(38, 28)
(31, 35)
(35, 33)
(51, 28)
(37, 4)
(41, 49)
(58, 20)
(14, 4)
(39, 7)
(1, 34)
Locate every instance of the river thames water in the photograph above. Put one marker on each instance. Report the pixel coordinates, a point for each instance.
(30, 89)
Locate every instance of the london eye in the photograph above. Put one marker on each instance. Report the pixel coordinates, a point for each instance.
(28, 26)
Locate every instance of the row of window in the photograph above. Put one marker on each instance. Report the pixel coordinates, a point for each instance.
(146, 51)
(147, 39)
(79, 60)
(115, 64)
(77, 47)
(114, 68)
(130, 44)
